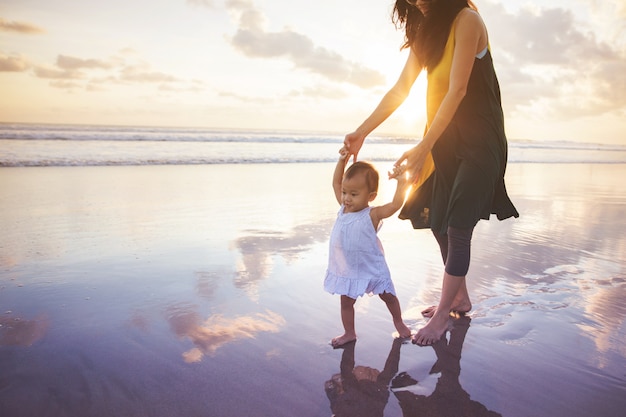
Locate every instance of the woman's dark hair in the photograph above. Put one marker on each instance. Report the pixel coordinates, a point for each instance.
(427, 35)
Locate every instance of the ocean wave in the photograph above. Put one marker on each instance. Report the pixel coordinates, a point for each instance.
(73, 145)
(167, 134)
(60, 161)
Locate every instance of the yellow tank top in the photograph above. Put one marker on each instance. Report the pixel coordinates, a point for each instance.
(438, 80)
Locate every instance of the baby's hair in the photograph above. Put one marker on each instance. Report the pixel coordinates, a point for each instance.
(366, 169)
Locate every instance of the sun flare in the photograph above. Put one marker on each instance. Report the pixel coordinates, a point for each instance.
(411, 115)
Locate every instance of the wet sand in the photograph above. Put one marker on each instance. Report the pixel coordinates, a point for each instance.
(197, 291)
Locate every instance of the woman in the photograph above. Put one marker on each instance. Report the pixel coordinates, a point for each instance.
(458, 167)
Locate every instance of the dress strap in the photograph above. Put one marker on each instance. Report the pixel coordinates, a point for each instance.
(482, 53)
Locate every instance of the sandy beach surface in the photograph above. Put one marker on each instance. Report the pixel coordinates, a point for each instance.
(197, 291)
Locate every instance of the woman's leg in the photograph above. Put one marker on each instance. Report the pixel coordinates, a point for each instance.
(393, 304)
(442, 240)
(457, 264)
(438, 324)
(347, 319)
(459, 244)
(454, 293)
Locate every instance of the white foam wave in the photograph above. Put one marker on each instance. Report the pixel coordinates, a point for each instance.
(73, 145)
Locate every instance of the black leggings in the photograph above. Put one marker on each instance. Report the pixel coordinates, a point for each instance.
(455, 250)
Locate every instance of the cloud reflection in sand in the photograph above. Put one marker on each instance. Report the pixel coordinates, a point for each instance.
(210, 334)
(607, 311)
(258, 246)
(15, 331)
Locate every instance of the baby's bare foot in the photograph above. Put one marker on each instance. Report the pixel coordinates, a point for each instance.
(403, 331)
(342, 340)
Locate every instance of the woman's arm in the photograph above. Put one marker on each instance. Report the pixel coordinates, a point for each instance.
(389, 103)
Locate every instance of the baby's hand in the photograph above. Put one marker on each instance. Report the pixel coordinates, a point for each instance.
(399, 173)
(344, 153)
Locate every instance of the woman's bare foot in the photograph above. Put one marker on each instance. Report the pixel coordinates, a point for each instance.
(460, 308)
(342, 340)
(428, 312)
(403, 331)
(432, 332)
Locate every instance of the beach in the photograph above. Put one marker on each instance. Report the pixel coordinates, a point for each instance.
(196, 290)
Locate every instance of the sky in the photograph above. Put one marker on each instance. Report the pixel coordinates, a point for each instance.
(298, 65)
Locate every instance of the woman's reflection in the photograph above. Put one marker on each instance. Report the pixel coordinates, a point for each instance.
(448, 398)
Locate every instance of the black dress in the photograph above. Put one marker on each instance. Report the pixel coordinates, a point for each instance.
(470, 161)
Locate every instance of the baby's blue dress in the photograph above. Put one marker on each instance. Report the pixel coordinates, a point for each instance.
(356, 261)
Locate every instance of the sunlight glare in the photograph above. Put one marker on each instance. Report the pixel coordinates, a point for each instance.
(411, 115)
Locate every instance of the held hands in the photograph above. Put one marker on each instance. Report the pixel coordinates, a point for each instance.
(344, 154)
(399, 173)
(415, 158)
(353, 142)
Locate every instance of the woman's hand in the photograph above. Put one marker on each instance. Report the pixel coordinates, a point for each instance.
(353, 142)
(415, 158)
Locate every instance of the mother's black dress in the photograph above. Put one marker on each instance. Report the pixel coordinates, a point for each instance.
(470, 157)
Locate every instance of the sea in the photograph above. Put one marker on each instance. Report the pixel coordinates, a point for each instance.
(24, 145)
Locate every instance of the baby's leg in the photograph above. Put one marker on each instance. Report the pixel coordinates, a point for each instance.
(347, 319)
(393, 304)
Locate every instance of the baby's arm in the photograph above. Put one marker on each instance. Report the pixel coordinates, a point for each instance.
(338, 175)
(387, 210)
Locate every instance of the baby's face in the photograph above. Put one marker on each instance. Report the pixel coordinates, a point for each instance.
(355, 195)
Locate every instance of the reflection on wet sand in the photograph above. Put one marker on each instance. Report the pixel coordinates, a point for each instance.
(216, 331)
(566, 253)
(364, 391)
(258, 246)
(448, 398)
(607, 309)
(361, 390)
(207, 283)
(15, 331)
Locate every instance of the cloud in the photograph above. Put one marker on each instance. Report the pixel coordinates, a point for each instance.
(13, 63)
(93, 75)
(257, 248)
(546, 36)
(549, 63)
(216, 331)
(19, 27)
(16, 331)
(66, 85)
(253, 41)
(139, 74)
(56, 73)
(70, 63)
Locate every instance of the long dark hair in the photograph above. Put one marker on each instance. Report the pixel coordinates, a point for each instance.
(427, 35)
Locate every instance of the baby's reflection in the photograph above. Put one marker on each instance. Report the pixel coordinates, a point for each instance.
(361, 390)
(364, 391)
